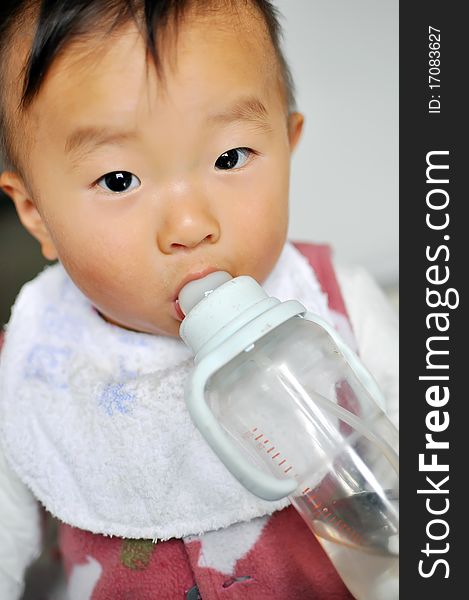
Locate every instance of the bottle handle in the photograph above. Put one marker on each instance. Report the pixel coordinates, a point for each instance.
(254, 479)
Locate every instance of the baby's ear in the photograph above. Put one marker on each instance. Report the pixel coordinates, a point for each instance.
(295, 127)
(13, 185)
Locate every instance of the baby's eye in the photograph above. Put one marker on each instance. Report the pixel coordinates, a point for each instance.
(233, 159)
(118, 181)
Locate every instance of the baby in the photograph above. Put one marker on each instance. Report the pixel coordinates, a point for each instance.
(146, 144)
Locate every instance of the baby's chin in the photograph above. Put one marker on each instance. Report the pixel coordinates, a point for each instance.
(171, 331)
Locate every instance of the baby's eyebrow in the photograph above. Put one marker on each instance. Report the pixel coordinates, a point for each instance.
(250, 110)
(93, 137)
(85, 139)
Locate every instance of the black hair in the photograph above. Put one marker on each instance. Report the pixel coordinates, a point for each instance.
(58, 23)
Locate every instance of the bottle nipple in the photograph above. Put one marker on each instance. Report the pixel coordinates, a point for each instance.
(195, 291)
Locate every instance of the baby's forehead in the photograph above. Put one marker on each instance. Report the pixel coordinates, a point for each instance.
(225, 18)
(229, 17)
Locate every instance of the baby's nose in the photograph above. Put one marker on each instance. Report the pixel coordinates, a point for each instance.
(187, 225)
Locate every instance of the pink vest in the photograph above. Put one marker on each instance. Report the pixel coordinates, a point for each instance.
(286, 562)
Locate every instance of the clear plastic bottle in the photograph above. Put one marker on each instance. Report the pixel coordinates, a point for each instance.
(290, 410)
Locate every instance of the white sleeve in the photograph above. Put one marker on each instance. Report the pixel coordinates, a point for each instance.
(376, 327)
(20, 531)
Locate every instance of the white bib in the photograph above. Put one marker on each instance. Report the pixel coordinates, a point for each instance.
(93, 417)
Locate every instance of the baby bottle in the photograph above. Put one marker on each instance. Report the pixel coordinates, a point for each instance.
(291, 411)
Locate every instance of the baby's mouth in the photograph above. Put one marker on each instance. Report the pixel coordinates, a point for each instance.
(180, 315)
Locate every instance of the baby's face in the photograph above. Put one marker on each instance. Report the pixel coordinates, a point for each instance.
(142, 186)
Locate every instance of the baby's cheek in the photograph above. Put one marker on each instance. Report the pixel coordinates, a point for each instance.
(271, 237)
(273, 219)
(93, 272)
(260, 253)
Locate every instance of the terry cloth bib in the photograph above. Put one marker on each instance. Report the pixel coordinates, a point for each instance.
(93, 417)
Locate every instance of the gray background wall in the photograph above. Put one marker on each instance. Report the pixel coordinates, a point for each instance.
(344, 190)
